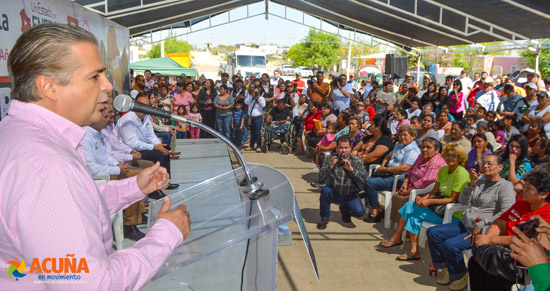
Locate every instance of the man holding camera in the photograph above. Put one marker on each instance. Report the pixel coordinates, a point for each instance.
(318, 91)
(343, 173)
(341, 93)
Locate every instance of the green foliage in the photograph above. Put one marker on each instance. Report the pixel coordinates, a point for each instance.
(171, 45)
(544, 59)
(317, 47)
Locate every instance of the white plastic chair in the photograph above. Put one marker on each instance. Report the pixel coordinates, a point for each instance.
(116, 218)
(450, 209)
(387, 195)
(440, 133)
(412, 197)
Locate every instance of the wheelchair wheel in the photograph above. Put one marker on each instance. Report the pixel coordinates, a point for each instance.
(285, 150)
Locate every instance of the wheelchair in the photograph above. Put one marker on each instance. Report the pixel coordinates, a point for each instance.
(285, 135)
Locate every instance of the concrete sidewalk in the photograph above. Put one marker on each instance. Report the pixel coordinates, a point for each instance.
(347, 255)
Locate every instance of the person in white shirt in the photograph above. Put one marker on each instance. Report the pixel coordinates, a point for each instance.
(136, 131)
(99, 161)
(466, 83)
(256, 103)
(488, 98)
(341, 94)
(275, 79)
(415, 109)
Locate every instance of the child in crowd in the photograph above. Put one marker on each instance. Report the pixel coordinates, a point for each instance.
(237, 123)
(415, 120)
(509, 128)
(491, 117)
(471, 125)
(498, 132)
(470, 111)
(194, 132)
(481, 112)
(326, 141)
(181, 128)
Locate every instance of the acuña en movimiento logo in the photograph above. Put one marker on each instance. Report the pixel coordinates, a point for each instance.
(66, 268)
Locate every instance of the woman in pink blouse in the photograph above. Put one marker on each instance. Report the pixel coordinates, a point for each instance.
(182, 97)
(420, 175)
(456, 107)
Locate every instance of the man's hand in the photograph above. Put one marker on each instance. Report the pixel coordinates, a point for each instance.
(136, 156)
(333, 162)
(179, 216)
(162, 149)
(124, 168)
(347, 165)
(172, 131)
(153, 178)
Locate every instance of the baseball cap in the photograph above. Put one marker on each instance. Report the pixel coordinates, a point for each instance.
(298, 74)
(488, 80)
(531, 85)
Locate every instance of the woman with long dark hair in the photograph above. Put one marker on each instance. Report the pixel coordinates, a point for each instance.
(516, 164)
(456, 106)
(205, 100)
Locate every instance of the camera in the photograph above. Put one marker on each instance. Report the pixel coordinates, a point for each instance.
(341, 162)
(336, 81)
(256, 94)
(311, 80)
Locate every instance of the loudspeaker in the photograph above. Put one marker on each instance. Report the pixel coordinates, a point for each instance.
(396, 66)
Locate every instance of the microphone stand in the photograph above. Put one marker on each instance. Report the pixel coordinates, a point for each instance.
(251, 185)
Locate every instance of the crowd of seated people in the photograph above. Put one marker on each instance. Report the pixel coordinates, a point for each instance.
(475, 141)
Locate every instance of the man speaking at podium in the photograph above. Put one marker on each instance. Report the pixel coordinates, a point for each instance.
(50, 209)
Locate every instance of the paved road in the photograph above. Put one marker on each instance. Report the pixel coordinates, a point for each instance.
(347, 256)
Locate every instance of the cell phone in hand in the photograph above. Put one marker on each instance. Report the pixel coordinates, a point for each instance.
(529, 227)
(477, 168)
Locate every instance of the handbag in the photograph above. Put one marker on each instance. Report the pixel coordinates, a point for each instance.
(496, 260)
(438, 209)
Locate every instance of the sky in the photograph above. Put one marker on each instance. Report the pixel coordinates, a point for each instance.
(252, 29)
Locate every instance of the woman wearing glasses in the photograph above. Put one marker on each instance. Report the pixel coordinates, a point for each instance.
(487, 196)
(451, 179)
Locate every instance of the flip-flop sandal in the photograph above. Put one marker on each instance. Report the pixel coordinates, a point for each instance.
(389, 244)
(406, 257)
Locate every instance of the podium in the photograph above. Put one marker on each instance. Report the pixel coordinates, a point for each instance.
(233, 239)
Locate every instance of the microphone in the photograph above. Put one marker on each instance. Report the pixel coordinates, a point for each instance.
(125, 103)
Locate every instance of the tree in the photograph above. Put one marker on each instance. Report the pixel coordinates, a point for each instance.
(317, 48)
(171, 45)
(544, 59)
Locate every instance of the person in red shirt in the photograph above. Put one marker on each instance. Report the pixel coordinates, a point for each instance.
(534, 200)
(300, 85)
(309, 124)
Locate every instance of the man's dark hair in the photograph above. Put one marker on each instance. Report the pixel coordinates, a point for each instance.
(511, 118)
(225, 75)
(139, 77)
(179, 84)
(320, 72)
(345, 116)
(343, 75)
(403, 112)
(450, 77)
(482, 108)
(147, 71)
(386, 83)
(374, 83)
(342, 139)
(539, 179)
(508, 88)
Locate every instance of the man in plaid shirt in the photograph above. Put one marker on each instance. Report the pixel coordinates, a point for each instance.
(344, 174)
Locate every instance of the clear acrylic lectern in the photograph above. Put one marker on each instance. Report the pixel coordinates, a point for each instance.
(233, 240)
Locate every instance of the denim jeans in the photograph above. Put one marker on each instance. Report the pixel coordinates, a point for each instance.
(375, 184)
(181, 135)
(446, 245)
(256, 133)
(224, 124)
(166, 137)
(349, 204)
